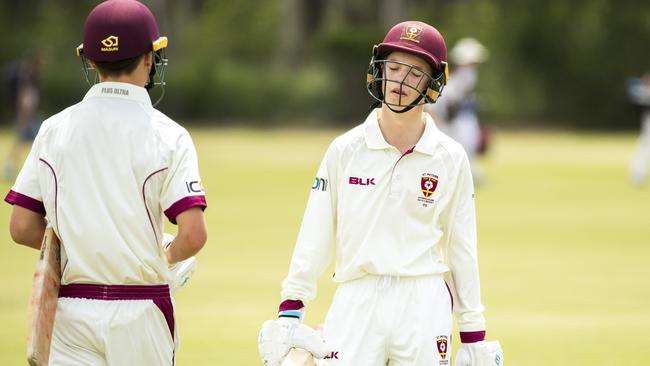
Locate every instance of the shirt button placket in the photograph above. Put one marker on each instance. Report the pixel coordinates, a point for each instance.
(396, 178)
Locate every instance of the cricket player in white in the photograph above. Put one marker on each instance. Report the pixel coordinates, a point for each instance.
(105, 172)
(393, 201)
(638, 91)
(456, 113)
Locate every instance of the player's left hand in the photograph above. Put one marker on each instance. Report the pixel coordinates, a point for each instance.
(480, 354)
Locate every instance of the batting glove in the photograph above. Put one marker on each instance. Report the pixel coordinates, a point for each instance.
(277, 337)
(181, 272)
(480, 354)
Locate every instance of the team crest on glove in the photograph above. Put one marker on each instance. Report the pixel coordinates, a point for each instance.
(442, 343)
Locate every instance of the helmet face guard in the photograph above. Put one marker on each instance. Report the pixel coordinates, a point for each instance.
(377, 84)
(156, 75)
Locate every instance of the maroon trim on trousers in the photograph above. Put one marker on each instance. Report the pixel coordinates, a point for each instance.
(472, 337)
(159, 294)
(291, 305)
(144, 200)
(451, 297)
(24, 201)
(183, 204)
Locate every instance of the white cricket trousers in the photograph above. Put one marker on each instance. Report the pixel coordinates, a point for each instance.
(394, 321)
(98, 325)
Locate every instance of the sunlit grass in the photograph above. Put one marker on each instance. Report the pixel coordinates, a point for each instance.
(564, 245)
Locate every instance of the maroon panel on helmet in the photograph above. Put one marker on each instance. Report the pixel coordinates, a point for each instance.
(119, 29)
(416, 38)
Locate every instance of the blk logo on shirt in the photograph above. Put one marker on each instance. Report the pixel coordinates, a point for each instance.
(361, 181)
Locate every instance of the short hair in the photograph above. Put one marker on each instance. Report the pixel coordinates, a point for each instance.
(119, 67)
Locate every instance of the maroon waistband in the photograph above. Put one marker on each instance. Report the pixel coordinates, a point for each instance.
(114, 292)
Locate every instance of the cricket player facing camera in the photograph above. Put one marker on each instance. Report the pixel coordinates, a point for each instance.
(393, 198)
(105, 172)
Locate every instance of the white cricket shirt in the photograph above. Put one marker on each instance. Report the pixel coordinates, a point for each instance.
(391, 214)
(106, 171)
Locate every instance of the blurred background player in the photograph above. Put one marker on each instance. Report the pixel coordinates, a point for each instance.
(394, 199)
(639, 94)
(457, 113)
(105, 172)
(23, 83)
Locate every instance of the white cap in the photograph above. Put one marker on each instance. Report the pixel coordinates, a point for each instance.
(468, 51)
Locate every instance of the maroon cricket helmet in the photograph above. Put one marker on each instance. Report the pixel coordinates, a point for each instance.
(417, 38)
(120, 29)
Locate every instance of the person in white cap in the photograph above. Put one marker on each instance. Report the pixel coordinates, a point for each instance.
(393, 201)
(456, 113)
(639, 93)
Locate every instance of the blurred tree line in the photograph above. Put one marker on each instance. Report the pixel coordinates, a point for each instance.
(277, 62)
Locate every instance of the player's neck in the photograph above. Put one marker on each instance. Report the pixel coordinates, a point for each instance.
(402, 130)
(129, 79)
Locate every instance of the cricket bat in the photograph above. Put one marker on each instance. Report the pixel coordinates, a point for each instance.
(298, 357)
(42, 304)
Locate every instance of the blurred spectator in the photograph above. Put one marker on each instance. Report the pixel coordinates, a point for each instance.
(639, 93)
(22, 80)
(455, 112)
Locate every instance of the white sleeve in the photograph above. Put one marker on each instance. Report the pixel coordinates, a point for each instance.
(316, 239)
(461, 256)
(26, 192)
(182, 188)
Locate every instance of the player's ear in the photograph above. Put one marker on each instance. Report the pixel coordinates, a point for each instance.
(148, 59)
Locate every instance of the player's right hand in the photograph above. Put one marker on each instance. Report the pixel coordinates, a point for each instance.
(480, 354)
(167, 240)
(277, 337)
(181, 272)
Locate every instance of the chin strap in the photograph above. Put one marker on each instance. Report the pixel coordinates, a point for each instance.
(157, 69)
(403, 110)
(374, 105)
(408, 107)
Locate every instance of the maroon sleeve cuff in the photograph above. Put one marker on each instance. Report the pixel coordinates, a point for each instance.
(184, 204)
(24, 201)
(291, 305)
(472, 337)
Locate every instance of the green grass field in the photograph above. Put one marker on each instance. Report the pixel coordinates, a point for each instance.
(564, 246)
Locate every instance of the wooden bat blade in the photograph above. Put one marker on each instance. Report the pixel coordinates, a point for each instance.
(43, 300)
(298, 357)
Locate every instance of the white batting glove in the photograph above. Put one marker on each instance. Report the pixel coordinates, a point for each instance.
(167, 240)
(309, 339)
(480, 354)
(277, 337)
(181, 272)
